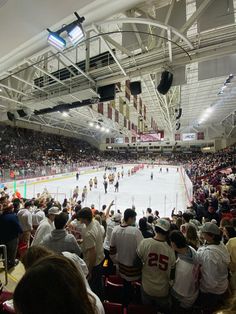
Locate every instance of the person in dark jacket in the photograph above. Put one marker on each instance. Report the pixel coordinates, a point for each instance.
(143, 227)
(10, 230)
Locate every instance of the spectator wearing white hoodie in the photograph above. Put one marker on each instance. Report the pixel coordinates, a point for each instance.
(214, 260)
(185, 288)
(59, 240)
(46, 225)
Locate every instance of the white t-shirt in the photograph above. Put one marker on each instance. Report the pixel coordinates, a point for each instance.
(110, 226)
(186, 287)
(158, 259)
(25, 219)
(124, 243)
(93, 237)
(37, 216)
(45, 227)
(77, 229)
(214, 261)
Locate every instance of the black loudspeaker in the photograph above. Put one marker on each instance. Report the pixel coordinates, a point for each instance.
(21, 113)
(107, 92)
(178, 125)
(135, 88)
(165, 83)
(10, 116)
(179, 113)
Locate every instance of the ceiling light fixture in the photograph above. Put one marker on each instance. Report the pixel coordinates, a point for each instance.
(65, 114)
(91, 124)
(74, 31)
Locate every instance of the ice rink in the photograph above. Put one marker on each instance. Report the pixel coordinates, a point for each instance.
(163, 193)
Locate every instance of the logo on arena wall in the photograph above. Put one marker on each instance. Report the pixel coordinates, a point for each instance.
(189, 136)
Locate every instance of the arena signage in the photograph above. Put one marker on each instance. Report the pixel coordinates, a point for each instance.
(189, 136)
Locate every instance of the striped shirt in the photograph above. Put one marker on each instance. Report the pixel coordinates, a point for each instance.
(123, 246)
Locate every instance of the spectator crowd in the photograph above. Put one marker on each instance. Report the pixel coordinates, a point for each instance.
(83, 260)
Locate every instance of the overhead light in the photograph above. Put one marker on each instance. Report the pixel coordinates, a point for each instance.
(65, 114)
(74, 31)
(97, 126)
(209, 110)
(91, 124)
(76, 34)
(107, 130)
(102, 129)
(55, 40)
(0, 89)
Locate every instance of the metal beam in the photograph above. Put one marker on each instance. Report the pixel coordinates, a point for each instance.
(12, 100)
(203, 6)
(110, 50)
(77, 68)
(13, 89)
(47, 73)
(116, 45)
(158, 24)
(28, 83)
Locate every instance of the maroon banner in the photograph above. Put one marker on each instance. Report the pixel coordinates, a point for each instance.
(177, 137)
(117, 116)
(107, 140)
(125, 122)
(109, 111)
(129, 125)
(112, 140)
(144, 112)
(133, 139)
(135, 97)
(127, 90)
(100, 107)
(200, 136)
(140, 106)
(126, 140)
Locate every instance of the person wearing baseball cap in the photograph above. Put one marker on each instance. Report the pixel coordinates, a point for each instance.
(46, 225)
(214, 259)
(158, 263)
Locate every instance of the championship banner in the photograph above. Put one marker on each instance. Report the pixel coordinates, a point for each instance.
(150, 137)
(127, 90)
(140, 106)
(125, 122)
(135, 101)
(121, 105)
(144, 112)
(100, 107)
(117, 116)
(109, 111)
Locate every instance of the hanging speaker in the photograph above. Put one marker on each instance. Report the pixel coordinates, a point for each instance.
(178, 125)
(21, 113)
(179, 113)
(165, 82)
(10, 116)
(107, 92)
(135, 88)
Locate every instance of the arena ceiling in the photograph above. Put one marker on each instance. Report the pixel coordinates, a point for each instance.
(194, 39)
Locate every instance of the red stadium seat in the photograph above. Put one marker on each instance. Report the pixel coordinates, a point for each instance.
(112, 308)
(115, 279)
(113, 292)
(141, 309)
(22, 248)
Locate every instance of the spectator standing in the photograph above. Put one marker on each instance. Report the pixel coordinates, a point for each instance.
(92, 249)
(230, 235)
(157, 259)
(185, 288)
(214, 260)
(25, 219)
(105, 186)
(59, 240)
(10, 231)
(46, 225)
(125, 239)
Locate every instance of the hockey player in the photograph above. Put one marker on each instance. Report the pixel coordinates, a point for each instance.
(90, 184)
(76, 193)
(95, 181)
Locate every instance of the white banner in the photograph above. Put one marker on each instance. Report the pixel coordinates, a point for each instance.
(189, 136)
